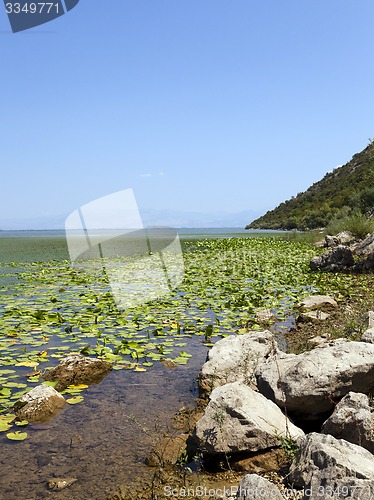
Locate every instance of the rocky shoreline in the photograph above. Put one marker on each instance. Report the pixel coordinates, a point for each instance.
(296, 423)
(300, 425)
(267, 424)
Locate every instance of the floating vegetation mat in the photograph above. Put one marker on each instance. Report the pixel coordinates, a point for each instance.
(51, 309)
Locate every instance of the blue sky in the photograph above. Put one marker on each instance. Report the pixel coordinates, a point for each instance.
(204, 106)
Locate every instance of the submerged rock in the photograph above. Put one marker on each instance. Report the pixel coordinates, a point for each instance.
(40, 404)
(60, 483)
(77, 369)
(167, 451)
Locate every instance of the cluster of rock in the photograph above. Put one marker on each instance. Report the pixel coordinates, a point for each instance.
(44, 402)
(345, 253)
(257, 392)
(316, 308)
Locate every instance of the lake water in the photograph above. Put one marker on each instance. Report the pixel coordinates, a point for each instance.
(98, 442)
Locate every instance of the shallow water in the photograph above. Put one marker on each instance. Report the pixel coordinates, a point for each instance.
(100, 441)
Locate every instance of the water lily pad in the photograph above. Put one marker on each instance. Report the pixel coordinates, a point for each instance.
(17, 435)
(75, 400)
(21, 423)
(31, 364)
(4, 426)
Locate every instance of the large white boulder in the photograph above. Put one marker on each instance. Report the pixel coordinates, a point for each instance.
(309, 384)
(352, 420)
(239, 419)
(235, 358)
(331, 468)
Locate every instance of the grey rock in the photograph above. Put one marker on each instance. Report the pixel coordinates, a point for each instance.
(326, 467)
(369, 319)
(339, 258)
(365, 265)
(254, 487)
(368, 336)
(342, 238)
(239, 419)
(319, 244)
(366, 247)
(331, 241)
(352, 420)
(77, 369)
(313, 317)
(309, 384)
(235, 358)
(264, 316)
(319, 340)
(60, 483)
(317, 303)
(40, 404)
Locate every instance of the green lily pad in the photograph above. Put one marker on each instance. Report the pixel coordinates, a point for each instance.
(75, 400)
(17, 435)
(4, 426)
(21, 423)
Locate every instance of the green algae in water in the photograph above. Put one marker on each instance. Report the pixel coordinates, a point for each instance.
(59, 309)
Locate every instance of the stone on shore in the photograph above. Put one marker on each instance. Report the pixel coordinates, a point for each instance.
(369, 319)
(352, 420)
(238, 419)
(325, 465)
(254, 487)
(309, 384)
(366, 247)
(342, 238)
(368, 336)
(313, 317)
(235, 358)
(317, 303)
(339, 258)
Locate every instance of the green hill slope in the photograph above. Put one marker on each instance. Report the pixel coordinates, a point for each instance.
(347, 190)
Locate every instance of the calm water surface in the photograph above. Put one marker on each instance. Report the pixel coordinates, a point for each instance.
(99, 441)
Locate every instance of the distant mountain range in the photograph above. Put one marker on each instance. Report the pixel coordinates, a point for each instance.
(346, 190)
(170, 218)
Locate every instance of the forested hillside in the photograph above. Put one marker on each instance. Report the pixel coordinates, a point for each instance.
(344, 191)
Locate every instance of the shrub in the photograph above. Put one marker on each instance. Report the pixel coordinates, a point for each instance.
(357, 224)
